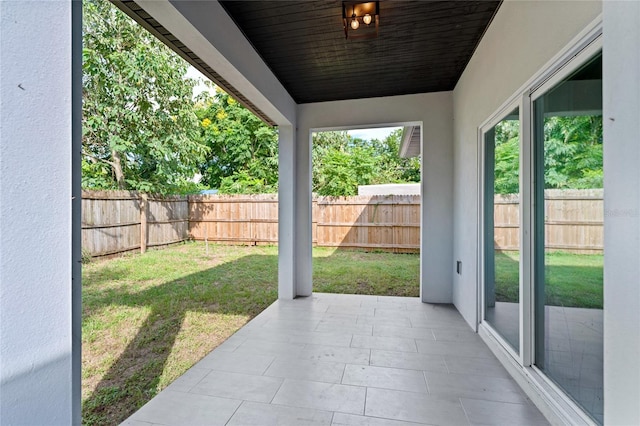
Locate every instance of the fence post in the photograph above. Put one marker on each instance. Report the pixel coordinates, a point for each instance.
(143, 222)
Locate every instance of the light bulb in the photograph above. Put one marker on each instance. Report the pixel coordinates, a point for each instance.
(355, 24)
(366, 19)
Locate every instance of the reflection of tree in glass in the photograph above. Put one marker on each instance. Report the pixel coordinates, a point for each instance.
(573, 153)
(507, 154)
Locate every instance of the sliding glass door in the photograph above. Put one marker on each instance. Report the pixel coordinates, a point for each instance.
(542, 230)
(568, 235)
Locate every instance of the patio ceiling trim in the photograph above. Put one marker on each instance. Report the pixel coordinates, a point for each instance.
(205, 36)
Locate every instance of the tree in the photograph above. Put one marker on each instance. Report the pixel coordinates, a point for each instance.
(243, 151)
(342, 163)
(391, 168)
(138, 119)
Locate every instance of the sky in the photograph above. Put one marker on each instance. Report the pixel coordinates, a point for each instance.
(368, 134)
(197, 75)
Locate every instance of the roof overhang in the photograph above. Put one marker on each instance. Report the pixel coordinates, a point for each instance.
(410, 145)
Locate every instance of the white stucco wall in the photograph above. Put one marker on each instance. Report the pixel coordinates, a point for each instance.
(434, 111)
(35, 213)
(621, 122)
(523, 36)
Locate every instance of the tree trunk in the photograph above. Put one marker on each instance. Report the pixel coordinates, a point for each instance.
(117, 169)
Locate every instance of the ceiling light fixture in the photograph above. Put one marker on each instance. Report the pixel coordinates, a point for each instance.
(354, 13)
(354, 22)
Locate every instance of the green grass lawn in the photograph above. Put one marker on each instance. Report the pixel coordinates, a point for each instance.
(570, 279)
(357, 272)
(148, 318)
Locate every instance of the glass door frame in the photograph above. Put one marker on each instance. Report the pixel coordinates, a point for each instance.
(484, 129)
(572, 64)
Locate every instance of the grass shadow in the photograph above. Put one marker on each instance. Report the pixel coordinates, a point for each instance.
(230, 293)
(141, 307)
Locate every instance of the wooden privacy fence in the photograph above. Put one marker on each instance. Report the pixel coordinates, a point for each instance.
(243, 219)
(376, 222)
(574, 220)
(384, 222)
(119, 221)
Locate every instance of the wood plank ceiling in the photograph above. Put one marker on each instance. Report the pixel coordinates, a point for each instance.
(422, 46)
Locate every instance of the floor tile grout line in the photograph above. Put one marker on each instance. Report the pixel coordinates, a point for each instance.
(364, 409)
(269, 366)
(446, 364)
(343, 371)
(276, 392)
(397, 420)
(426, 382)
(199, 381)
(466, 415)
(235, 411)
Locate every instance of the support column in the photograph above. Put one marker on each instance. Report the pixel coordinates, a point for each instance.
(436, 217)
(38, 360)
(303, 230)
(286, 213)
(621, 110)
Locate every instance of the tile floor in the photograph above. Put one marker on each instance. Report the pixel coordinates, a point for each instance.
(346, 360)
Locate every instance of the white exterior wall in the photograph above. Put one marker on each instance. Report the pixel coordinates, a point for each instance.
(35, 213)
(434, 112)
(523, 36)
(390, 189)
(621, 91)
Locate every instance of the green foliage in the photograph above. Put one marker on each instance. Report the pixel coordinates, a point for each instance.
(143, 131)
(572, 154)
(85, 256)
(341, 163)
(138, 119)
(243, 151)
(390, 167)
